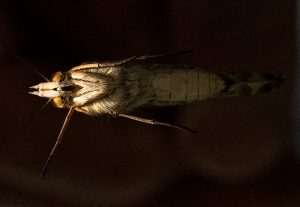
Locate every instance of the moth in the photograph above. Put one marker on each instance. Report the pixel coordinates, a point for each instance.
(119, 87)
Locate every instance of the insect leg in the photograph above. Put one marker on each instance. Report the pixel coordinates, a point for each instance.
(169, 54)
(58, 140)
(116, 63)
(151, 121)
(143, 57)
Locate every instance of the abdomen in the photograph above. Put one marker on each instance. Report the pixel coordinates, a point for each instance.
(180, 84)
(177, 84)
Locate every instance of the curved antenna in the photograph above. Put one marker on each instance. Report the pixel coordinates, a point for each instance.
(58, 140)
(32, 68)
(44, 105)
(39, 74)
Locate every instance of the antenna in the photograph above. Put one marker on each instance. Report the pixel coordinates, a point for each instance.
(32, 68)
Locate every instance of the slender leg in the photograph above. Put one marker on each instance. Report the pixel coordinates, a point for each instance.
(151, 121)
(169, 54)
(116, 63)
(58, 140)
(143, 57)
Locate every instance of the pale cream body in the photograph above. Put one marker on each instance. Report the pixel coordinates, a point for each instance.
(128, 87)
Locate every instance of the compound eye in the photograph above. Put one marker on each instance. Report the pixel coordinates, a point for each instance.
(59, 102)
(58, 76)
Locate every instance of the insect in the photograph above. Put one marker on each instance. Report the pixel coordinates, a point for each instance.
(118, 87)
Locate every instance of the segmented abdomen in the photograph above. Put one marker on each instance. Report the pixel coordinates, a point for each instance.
(179, 84)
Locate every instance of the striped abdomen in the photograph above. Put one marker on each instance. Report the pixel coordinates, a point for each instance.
(179, 84)
(171, 84)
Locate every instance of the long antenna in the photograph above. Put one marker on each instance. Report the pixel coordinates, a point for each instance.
(44, 105)
(58, 140)
(30, 66)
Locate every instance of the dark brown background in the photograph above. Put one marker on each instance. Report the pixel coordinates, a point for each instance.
(244, 153)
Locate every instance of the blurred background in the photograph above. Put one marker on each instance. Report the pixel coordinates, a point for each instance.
(246, 150)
